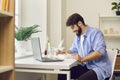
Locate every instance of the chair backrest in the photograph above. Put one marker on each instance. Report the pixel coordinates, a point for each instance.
(112, 54)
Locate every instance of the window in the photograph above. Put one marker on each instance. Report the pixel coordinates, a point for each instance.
(27, 15)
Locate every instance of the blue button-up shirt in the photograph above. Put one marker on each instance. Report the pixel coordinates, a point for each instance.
(94, 41)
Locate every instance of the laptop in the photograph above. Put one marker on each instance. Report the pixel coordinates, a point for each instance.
(37, 53)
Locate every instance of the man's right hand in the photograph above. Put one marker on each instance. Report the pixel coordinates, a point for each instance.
(63, 52)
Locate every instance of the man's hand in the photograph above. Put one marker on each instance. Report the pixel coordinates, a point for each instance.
(60, 52)
(92, 56)
(77, 57)
(63, 52)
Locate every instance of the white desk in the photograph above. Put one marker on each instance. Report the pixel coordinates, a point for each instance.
(29, 64)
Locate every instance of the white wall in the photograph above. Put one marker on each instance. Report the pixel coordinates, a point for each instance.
(56, 20)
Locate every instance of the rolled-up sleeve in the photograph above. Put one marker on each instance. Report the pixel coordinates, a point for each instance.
(99, 43)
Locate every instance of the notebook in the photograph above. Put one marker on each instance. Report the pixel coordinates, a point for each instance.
(37, 53)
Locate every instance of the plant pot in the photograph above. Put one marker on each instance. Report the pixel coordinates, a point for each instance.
(20, 47)
(118, 13)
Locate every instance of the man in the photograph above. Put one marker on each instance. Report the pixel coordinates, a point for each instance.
(89, 48)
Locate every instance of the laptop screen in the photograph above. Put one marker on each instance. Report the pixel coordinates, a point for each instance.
(36, 48)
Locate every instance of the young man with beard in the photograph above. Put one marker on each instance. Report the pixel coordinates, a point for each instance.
(89, 48)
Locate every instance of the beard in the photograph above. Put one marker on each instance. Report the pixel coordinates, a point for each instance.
(79, 31)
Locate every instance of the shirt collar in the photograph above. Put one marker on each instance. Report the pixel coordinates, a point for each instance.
(85, 34)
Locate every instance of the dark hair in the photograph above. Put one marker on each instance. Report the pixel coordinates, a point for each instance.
(74, 19)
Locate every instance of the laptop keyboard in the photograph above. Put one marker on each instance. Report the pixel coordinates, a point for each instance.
(51, 59)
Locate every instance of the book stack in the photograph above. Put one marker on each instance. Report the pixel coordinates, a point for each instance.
(4, 5)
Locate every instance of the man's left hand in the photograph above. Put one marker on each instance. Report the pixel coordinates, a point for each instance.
(77, 57)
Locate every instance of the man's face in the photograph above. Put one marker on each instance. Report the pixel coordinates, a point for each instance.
(76, 29)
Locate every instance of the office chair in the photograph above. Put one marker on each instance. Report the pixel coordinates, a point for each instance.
(112, 54)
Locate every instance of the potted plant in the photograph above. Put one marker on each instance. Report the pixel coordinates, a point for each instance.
(116, 6)
(24, 33)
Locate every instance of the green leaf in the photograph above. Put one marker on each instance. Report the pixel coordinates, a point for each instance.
(24, 33)
(116, 6)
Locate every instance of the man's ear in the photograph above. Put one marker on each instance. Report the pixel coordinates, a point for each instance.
(79, 23)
